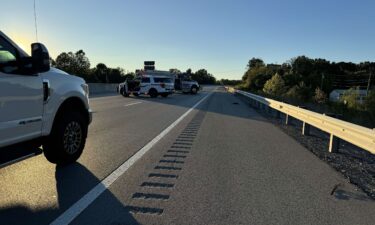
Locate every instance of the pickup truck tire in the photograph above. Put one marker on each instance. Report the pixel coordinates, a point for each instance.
(67, 139)
(123, 93)
(136, 94)
(153, 93)
(164, 95)
(194, 90)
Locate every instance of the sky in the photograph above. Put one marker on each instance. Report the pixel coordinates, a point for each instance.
(218, 35)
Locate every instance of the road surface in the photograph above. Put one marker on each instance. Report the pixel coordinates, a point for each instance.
(217, 163)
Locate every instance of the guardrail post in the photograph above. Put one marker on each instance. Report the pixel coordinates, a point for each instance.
(306, 129)
(287, 119)
(334, 144)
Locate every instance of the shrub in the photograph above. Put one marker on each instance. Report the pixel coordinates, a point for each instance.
(275, 86)
(320, 97)
(298, 92)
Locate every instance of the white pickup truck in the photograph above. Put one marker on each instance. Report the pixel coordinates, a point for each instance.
(41, 105)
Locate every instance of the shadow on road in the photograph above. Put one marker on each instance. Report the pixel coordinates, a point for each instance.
(72, 182)
(16, 153)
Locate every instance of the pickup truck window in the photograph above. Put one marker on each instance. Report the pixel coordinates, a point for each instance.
(145, 80)
(8, 57)
(162, 80)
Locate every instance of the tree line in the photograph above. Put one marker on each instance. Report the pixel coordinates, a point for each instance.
(304, 80)
(79, 64)
(301, 76)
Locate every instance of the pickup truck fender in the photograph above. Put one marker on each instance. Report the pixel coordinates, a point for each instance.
(63, 87)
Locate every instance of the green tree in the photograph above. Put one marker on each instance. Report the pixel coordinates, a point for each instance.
(275, 86)
(100, 72)
(256, 77)
(255, 62)
(299, 92)
(82, 63)
(203, 77)
(73, 63)
(116, 75)
(302, 65)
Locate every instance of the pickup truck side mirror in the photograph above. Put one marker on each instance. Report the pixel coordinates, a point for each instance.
(40, 58)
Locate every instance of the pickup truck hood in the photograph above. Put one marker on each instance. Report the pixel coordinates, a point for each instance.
(59, 74)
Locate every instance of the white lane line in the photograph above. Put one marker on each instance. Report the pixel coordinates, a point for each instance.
(133, 103)
(70, 214)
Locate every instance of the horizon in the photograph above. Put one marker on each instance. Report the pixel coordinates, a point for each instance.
(218, 36)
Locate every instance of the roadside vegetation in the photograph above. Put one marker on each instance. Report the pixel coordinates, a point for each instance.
(307, 82)
(79, 64)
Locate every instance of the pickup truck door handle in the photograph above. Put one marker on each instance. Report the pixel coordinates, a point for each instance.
(46, 90)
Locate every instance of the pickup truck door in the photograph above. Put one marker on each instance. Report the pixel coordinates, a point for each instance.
(21, 98)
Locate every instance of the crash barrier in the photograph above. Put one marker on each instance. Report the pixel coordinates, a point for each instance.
(338, 129)
(102, 88)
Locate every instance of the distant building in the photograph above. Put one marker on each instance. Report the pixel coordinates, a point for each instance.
(336, 95)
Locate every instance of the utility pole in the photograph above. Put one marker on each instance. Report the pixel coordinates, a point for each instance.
(369, 81)
(321, 82)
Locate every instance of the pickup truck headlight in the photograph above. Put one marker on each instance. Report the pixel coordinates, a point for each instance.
(85, 88)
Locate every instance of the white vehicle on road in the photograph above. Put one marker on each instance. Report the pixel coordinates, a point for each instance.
(43, 105)
(148, 85)
(184, 83)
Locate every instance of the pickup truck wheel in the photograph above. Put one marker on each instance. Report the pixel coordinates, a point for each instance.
(123, 93)
(136, 94)
(164, 95)
(194, 90)
(153, 93)
(67, 139)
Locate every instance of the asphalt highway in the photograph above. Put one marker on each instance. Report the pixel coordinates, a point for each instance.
(185, 159)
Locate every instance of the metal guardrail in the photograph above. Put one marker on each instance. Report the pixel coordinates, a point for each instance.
(338, 129)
